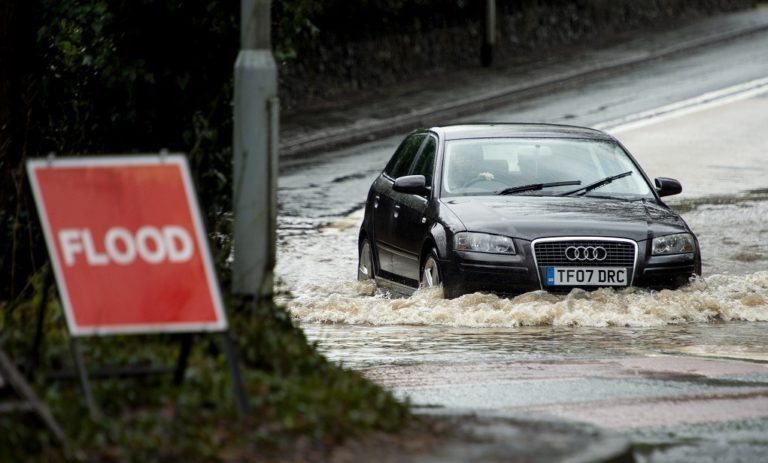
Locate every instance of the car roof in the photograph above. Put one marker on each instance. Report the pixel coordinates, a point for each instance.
(518, 130)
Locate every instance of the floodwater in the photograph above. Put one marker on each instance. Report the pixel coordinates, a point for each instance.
(683, 374)
(723, 312)
(362, 326)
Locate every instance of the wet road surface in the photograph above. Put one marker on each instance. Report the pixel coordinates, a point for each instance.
(330, 185)
(682, 374)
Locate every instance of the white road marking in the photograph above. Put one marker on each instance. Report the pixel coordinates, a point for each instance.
(681, 108)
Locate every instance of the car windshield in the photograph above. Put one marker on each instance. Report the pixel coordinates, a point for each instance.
(540, 166)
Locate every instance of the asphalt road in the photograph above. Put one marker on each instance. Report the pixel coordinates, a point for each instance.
(333, 184)
(683, 375)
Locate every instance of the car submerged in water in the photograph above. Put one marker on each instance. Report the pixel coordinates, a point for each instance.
(511, 208)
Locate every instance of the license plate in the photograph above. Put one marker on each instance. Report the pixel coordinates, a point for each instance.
(586, 276)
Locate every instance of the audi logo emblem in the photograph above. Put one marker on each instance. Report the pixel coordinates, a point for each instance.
(584, 253)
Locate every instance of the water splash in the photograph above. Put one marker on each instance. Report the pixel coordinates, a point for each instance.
(318, 266)
(711, 299)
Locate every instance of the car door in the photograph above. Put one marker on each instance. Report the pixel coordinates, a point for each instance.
(410, 219)
(385, 213)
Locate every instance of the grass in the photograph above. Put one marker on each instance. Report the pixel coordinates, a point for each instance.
(297, 397)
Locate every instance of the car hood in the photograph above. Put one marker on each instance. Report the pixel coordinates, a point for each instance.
(532, 217)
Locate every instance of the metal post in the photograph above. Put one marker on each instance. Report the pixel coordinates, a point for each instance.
(489, 40)
(34, 356)
(9, 372)
(85, 382)
(273, 146)
(255, 164)
(233, 362)
(183, 359)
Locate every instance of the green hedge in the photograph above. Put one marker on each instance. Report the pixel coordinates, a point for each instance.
(295, 393)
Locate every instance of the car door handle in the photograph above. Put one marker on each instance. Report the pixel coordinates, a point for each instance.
(397, 210)
(376, 201)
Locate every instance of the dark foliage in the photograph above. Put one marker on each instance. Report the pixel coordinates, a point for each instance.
(97, 76)
(86, 77)
(296, 394)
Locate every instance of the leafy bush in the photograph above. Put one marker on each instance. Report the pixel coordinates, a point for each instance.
(295, 393)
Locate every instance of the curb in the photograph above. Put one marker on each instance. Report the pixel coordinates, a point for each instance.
(325, 140)
(494, 437)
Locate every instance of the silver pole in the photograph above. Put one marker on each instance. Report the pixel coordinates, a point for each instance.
(255, 25)
(255, 155)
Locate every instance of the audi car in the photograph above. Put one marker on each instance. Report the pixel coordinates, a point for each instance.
(511, 208)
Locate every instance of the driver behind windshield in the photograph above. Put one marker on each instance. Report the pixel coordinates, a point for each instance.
(465, 166)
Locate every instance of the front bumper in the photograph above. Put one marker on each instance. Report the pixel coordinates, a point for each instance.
(671, 271)
(466, 272)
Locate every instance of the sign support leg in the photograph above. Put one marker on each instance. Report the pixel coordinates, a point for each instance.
(84, 381)
(9, 372)
(183, 361)
(34, 356)
(234, 370)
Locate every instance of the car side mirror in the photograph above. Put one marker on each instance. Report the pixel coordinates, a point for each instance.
(412, 184)
(668, 186)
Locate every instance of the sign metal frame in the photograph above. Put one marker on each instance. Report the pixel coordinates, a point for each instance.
(220, 324)
(29, 400)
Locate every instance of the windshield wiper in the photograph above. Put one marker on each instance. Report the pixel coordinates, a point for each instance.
(593, 186)
(614, 198)
(537, 186)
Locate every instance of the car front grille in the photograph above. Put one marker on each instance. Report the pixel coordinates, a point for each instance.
(619, 253)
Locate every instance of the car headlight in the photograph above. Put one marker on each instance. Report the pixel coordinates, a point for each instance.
(484, 242)
(680, 243)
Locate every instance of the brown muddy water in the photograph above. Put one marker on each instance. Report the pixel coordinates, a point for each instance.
(721, 314)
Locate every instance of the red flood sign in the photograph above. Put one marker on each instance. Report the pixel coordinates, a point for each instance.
(127, 244)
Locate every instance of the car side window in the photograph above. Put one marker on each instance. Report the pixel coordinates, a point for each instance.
(425, 165)
(403, 158)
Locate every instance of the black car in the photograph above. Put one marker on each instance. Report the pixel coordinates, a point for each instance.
(510, 208)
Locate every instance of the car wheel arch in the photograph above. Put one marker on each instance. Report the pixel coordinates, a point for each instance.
(437, 239)
(429, 246)
(426, 247)
(450, 289)
(362, 237)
